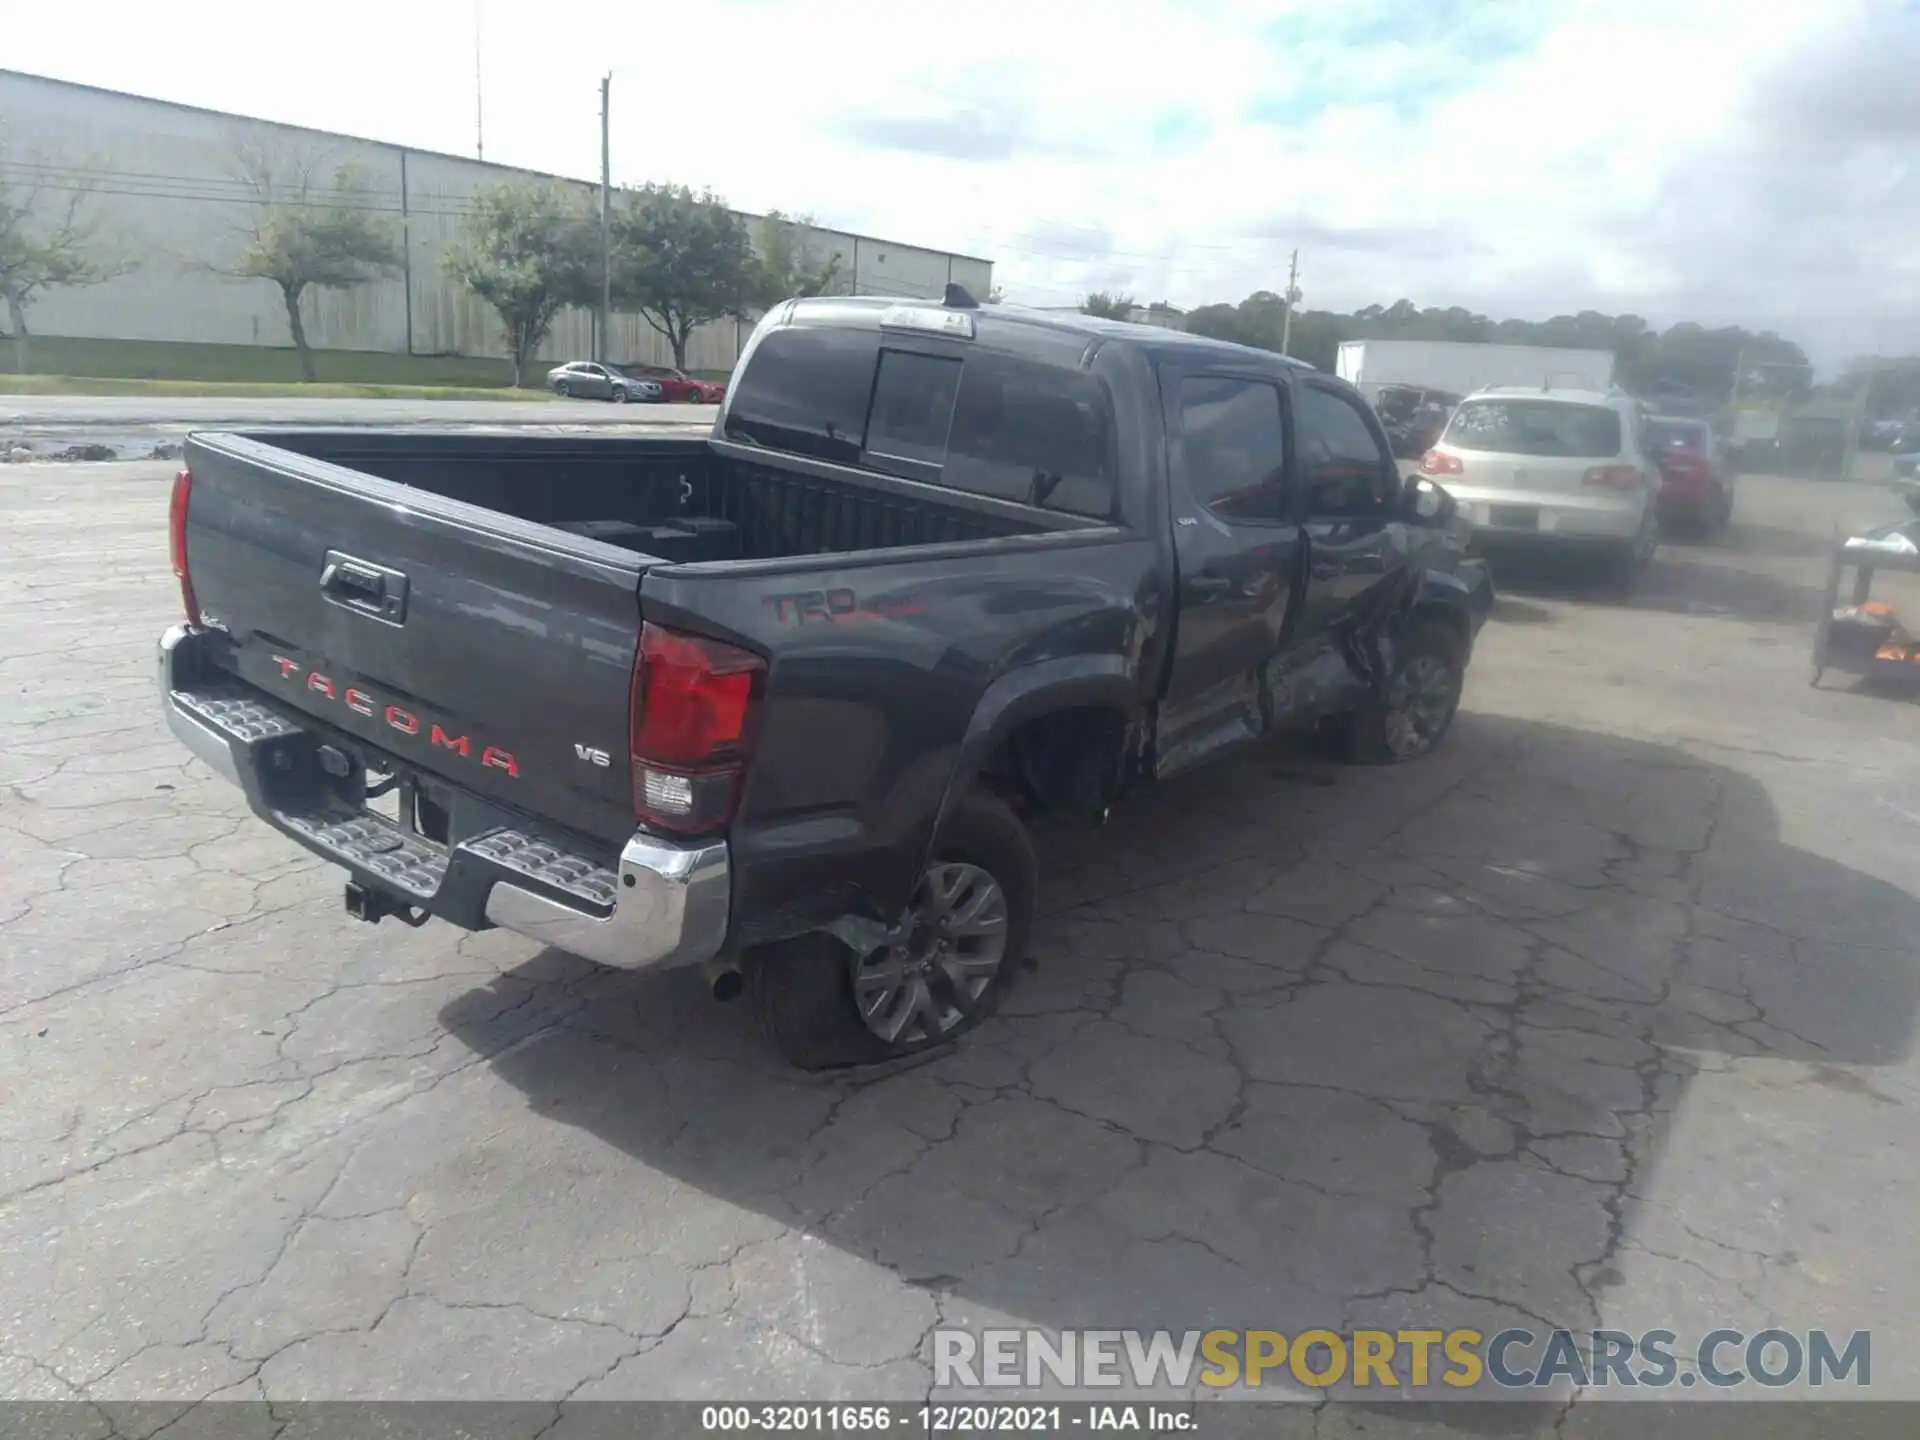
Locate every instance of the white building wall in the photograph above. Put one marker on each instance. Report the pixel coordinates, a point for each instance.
(164, 189)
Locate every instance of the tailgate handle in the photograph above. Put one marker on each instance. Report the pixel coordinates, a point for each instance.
(372, 589)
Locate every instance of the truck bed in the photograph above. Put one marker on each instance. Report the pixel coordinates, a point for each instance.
(652, 480)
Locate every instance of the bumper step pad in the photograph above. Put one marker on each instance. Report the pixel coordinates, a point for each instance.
(545, 862)
(374, 843)
(237, 713)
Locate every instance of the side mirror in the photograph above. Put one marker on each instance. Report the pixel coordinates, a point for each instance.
(1425, 503)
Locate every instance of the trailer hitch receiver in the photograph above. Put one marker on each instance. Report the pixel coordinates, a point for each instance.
(373, 906)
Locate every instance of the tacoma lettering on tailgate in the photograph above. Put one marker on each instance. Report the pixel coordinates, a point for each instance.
(395, 717)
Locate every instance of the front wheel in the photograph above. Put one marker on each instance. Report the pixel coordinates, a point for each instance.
(619, 394)
(824, 1006)
(562, 389)
(1411, 713)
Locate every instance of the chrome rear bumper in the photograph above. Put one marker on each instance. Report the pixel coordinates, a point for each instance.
(664, 905)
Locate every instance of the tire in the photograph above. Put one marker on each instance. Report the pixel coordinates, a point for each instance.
(806, 993)
(619, 395)
(1381, 731)
(562, 389)
(1625, 562)
(1692, 523)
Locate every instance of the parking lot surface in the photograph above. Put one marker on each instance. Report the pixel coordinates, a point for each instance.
(1603, 1016)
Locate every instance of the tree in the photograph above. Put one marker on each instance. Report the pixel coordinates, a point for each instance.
(49, 240)
(309, 225)
(682, 260)
(1686, 356)
(1108, 306)
(1216, 322)
(788, 264)
(529, 251)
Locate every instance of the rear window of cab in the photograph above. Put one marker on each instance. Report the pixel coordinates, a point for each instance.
(1688, 435)
(1553, 428)
(984, 422)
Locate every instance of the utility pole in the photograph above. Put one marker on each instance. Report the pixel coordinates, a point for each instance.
(1857, 417)
(479, 111)
(606, 219)
(1293, 296)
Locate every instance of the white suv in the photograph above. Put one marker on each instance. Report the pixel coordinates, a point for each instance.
(1545, 467)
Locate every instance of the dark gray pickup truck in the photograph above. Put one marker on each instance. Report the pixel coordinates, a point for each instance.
(774, 701)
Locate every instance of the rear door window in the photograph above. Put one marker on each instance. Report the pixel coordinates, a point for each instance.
(1233, 445)
(1555, 428)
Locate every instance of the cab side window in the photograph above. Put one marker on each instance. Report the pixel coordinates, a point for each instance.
(1234, 445)
(1344, 472)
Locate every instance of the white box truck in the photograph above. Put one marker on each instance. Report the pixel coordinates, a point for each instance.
(1461, 367)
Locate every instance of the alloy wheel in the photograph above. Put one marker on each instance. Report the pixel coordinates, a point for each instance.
(955, 936)
(1420, 700)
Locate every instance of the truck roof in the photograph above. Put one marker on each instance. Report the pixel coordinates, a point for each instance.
(1002, 322)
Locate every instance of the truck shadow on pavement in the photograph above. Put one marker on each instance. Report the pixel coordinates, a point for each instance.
(1409, 1049)
(1682, 580)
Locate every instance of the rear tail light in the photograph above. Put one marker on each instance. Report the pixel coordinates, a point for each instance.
(1613, 477)
(695, 705)
(1438, 462)
(177, 543)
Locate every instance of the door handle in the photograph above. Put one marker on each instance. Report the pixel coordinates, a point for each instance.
(372, 589)
(1209, 584)
(353, 582)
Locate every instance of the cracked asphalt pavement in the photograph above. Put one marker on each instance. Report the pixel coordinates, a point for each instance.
(1603, 1016)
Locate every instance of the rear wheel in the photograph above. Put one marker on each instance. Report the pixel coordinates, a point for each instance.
(1625, 562)
(824, 1006)
(1411, 713)
(1694, 521)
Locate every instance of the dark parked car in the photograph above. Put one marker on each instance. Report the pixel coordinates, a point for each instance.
(1812, 445)
(592, 381)
(777, 701)
(1696, 489)
(679, 388)
(1414, 418)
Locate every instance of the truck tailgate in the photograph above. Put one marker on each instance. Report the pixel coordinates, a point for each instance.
(490, 651)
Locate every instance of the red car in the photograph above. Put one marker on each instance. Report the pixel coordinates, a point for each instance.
(1696, 491)
(679, 388)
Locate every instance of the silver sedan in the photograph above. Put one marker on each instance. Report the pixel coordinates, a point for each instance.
(592, 381)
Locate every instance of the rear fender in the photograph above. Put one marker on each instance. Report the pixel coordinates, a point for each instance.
(1028, 693)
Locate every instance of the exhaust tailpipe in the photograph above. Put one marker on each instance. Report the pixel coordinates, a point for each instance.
(724, 979)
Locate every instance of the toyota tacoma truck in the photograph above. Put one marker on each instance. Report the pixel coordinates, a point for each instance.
(777, 700)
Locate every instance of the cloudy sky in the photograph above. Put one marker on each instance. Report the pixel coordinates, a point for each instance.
(1732, 161)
